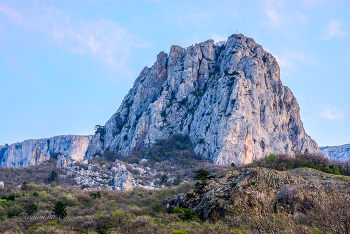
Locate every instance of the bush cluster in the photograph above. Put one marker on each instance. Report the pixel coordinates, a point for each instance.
(140, 211)
(319, 162)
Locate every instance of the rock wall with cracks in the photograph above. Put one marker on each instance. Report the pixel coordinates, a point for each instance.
(33, 152)
(228, 98)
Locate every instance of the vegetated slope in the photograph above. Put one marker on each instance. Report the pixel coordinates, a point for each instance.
(228, 98)
(247, 200)
(260, 200)
(69, 148)
(341, 152)
(16, 176)
(169, 162)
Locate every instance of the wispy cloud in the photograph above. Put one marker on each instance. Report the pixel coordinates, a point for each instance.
(331, 113)
(102, 39)
(288, 59)
(334, 29)
(272, 14)
(13, 15)
(280, 15)
(312, 2)
(218, 38)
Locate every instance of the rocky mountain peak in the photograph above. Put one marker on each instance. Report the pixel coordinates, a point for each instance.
(228, 98)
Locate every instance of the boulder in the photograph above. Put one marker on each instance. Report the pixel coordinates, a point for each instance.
(123, 179)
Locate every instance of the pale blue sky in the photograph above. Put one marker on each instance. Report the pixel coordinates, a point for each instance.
(65, 66)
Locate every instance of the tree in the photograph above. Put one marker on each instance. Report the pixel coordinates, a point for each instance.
(164, 179)
(233, 164)
(24, 186)
(178, 180)
(53, 176)
(60, 210)
(31, 209)
(100, 129)
(202, 175)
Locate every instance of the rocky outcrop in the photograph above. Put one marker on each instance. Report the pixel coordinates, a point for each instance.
(341, 152)
(2, 185)
(227, 97)
(123, 180)
(33, 152)
(285, 189)
(38, 157)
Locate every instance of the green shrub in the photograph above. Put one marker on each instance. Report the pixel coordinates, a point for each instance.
(271, 158)
(31, 209)
(179, 232)
(186, 214)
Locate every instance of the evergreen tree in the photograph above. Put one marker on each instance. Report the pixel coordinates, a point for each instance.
(164, 178)
(178, 180)
(202, 175)
(60, 210)
(53, 176)
(24, 186)
(31, 209)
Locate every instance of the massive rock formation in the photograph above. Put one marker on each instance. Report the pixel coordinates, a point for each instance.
(341, 152)
(33, 152)
(228, 98)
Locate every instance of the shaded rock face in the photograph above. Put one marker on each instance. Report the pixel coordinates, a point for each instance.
(228, 98)
(341, 152)
(33, 152)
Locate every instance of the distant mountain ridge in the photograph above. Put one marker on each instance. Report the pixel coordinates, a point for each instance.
(32, 152)
(227, 97)
(341, 152)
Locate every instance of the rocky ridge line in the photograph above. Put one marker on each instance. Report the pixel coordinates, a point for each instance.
(67, 149)
(341, 152)
(227, 97)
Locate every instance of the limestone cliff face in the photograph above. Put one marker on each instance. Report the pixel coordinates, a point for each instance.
(228, 98)
(33, 152)
(341, 152)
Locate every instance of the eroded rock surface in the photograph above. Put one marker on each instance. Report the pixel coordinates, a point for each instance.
(33, 152)
(341, 152)
(123, 179)
(286, 189)
(227, 97)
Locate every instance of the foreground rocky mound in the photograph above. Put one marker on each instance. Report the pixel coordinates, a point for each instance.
(260, 189)
(67, 149)
(227, 97)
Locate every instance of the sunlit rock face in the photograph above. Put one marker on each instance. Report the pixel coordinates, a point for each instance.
(227, 97)
(33, 152)
(341, 152)
(123, 180)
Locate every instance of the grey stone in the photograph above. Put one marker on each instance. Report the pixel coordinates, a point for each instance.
(341, 152)
(123, 180)
(229, 99)
(33, 152)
